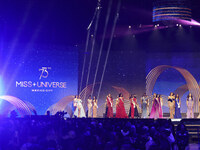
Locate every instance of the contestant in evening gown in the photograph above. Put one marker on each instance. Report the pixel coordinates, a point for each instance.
(120, 109)
(95, 106)
(190, 106)
(199, 108)
(177, 107)
(171, 104)
(73, 105)
(160, 100)
(155, 107)
(79, 112)
(133, 112)
(144, 106)
(132, 107)
(89, 105)
(109, 106)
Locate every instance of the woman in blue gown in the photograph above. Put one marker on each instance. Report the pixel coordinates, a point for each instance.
(144, 105)
(177, 107)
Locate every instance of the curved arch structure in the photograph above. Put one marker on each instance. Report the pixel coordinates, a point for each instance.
(190, 80)
(31, 107)
(60, 105)
(125, 93)
(182, 90)
(20, 105)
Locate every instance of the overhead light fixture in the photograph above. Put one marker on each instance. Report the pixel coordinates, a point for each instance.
(171, 10)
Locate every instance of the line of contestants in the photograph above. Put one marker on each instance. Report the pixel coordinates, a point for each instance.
(174, 104)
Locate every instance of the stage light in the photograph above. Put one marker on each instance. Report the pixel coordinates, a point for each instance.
(189, 23)
(177, 25)
(129, 27)
(180, 25)
(158, 25)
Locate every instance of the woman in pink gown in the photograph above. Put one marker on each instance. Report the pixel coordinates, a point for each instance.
(120, 109)
(155, 107)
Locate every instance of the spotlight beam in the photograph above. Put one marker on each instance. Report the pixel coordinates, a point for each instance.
(86, 46)
(30, 44)
(83, 68)
(102, 44)
(109, 46)
(16, 39)
(93, 43)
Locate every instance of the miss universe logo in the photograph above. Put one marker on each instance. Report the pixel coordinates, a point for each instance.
(41, 86)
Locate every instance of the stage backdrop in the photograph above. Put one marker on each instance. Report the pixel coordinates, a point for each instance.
(41, 75)
(132, 57)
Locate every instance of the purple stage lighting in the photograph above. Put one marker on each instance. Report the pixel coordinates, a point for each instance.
(189, 23)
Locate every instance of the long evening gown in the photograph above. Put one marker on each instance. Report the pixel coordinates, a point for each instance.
(95, 108)
(89, 107)
(144, 107)
(155, 109)
(136, 113)
(132, 108)
(190, 111)
(109, 107)
(79, 112)
(171, 107)
(177, 108)
(160, 109)
(120, 109)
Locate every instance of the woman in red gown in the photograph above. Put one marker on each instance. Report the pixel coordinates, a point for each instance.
(109, 106)
(133, 107)
(120, 109)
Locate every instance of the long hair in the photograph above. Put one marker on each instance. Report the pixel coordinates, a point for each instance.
(189, 96)
(177, 96)
(109, 96)
(94, 98)
(120, 95)
(144, 95)
(171, 94)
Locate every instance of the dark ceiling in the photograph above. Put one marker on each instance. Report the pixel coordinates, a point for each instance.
(65, 21)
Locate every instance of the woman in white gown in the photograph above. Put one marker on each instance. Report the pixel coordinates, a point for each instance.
(79, 111)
